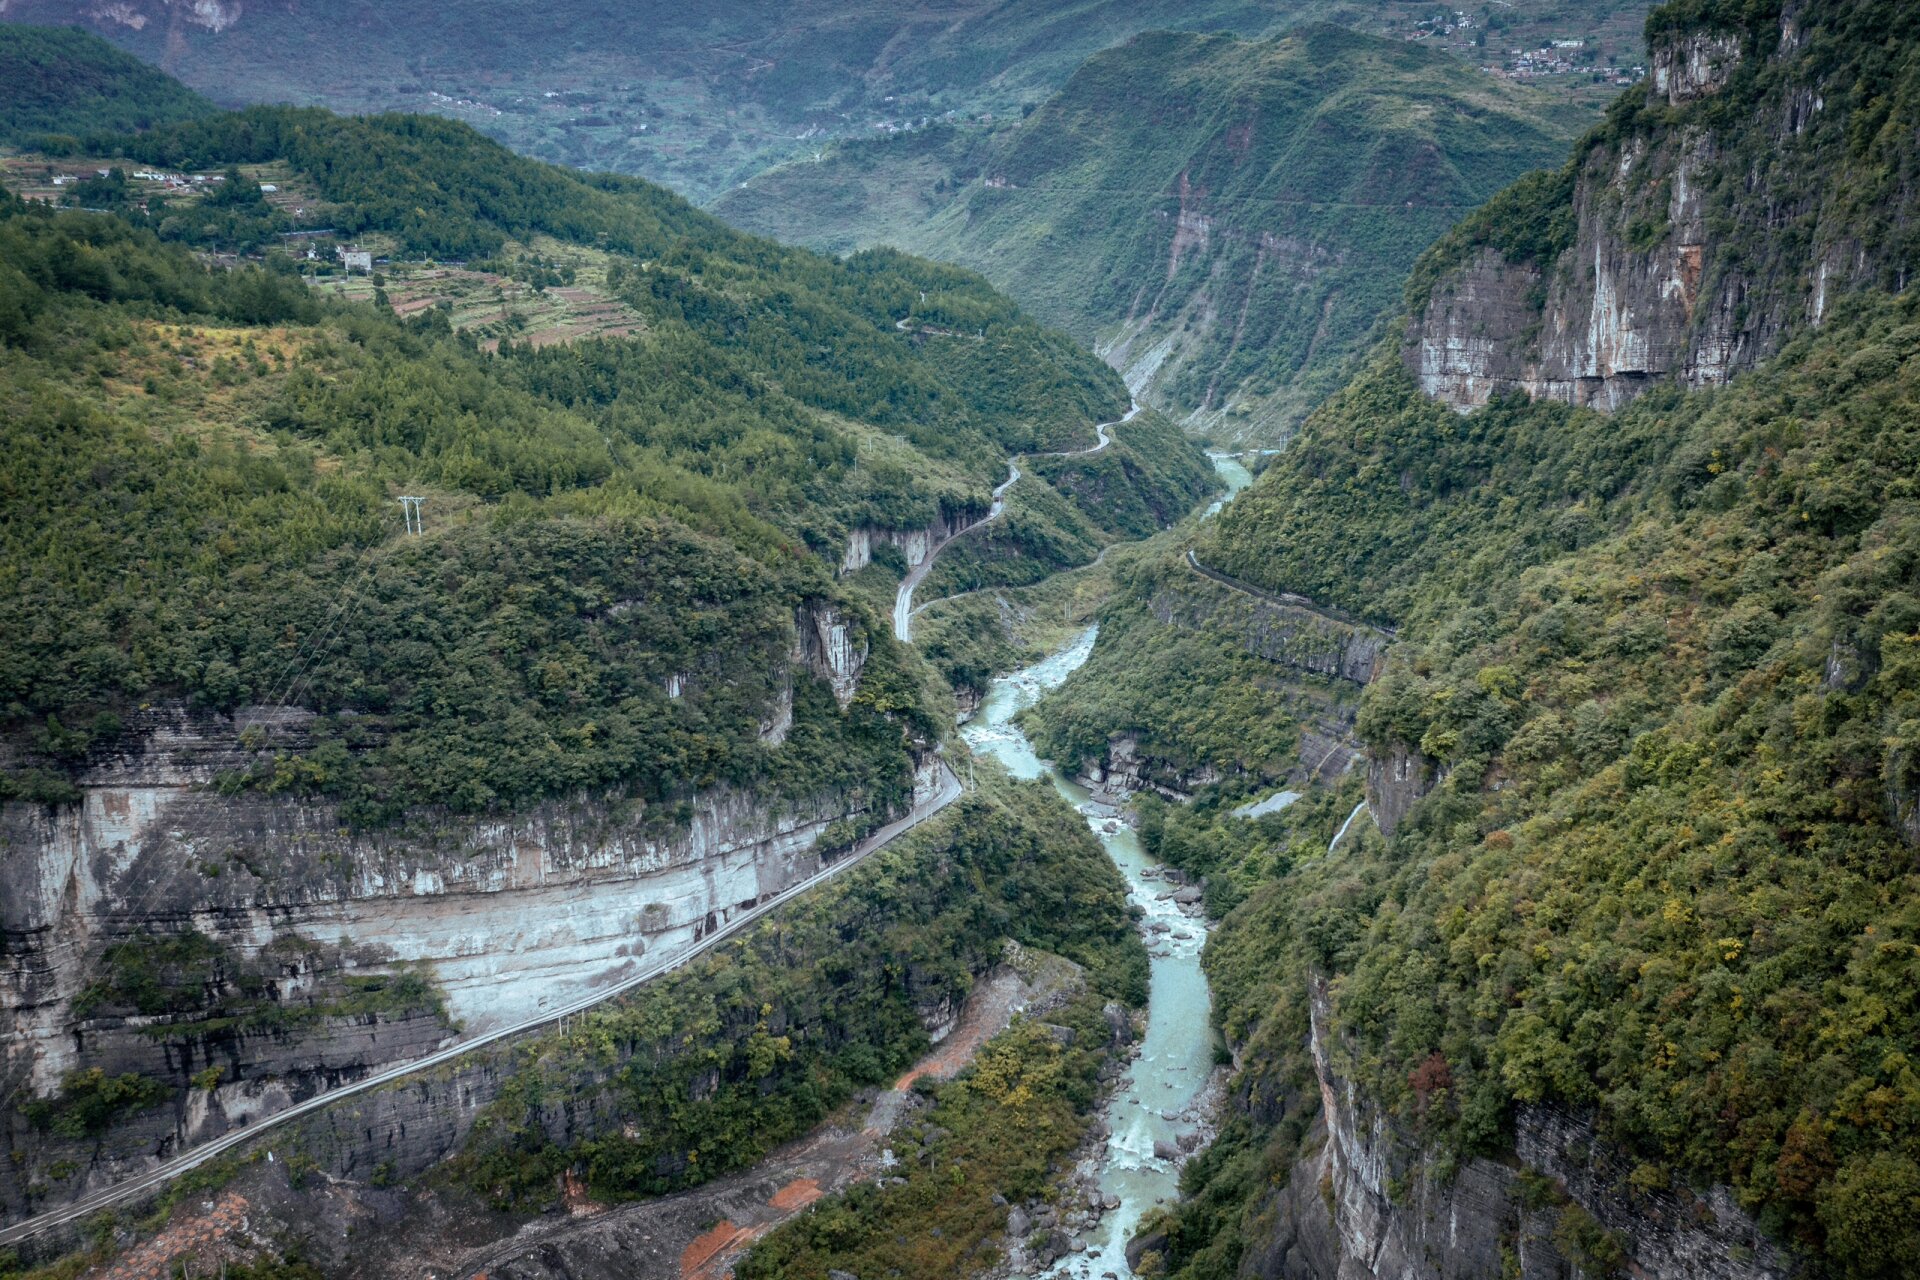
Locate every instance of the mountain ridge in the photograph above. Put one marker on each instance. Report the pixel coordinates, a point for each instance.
(1608, 973)
(1282, 188)
(705, 95)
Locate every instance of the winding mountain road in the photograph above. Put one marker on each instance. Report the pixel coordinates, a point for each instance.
(903, 609)
(949, 791)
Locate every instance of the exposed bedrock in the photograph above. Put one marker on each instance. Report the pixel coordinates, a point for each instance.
(1397, 777)
(1366, 1201)
(1664, 278)
(915, 545)
(282, 930)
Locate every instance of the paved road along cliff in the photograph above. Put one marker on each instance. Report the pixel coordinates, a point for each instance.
(903, 610)
(948, 791)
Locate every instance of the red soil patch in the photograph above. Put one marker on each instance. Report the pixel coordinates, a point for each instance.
(985, 1015)
(704, 1249)
(797, 1194)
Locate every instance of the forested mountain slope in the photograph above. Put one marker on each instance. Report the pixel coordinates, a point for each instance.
(704, 95)
(718, 417)
(1644, 920)
(60, 80)
(614, 688)
(1225, 219)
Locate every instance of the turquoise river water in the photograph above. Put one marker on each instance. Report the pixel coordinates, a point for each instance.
(1164, 1095)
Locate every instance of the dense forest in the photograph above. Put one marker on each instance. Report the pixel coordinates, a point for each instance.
(1688, 903)
(1657, 668)
(250, 437)
(63, 82)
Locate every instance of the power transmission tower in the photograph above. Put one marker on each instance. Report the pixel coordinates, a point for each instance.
(410, 507)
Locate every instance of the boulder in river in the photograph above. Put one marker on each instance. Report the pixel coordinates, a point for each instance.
(1189, 896)
(1164, 1150)
(1140, 1246)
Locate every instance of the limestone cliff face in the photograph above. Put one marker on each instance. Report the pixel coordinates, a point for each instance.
(1699, 241)
(824, 645)
(1366, 1201)
(1398, 776)
(213, 15)
(914, 544)
(1124, 768)
(296, 912)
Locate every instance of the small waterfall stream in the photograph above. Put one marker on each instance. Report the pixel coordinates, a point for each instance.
(1338, 835)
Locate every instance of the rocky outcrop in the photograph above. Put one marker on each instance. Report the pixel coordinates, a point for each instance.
(1366, 1201)
(914, 544)
(298, 921)
(214, 15)
(1290, 635)
(1124, 769)
(1698, 244)
(1693, 65)
(1616, 317)
(825, 645)
(1396, 782)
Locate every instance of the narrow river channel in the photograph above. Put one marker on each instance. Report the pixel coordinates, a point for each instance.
(1162, 1098)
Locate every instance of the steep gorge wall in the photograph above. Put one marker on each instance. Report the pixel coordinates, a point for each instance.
(915, 544)
(294, 912)
(1699, 241)
(1294, 636)
(1729, 205)
(1365, 1200)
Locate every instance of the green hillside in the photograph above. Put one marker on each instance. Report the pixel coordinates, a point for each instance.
(60, 80)
(1224, 218)
(202, 466)
(1659, 670)
(704, 95)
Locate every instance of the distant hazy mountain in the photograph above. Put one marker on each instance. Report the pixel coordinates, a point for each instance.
(1224, 218)
(702, 95)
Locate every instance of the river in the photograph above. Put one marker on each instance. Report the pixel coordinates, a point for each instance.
(1163, 1096)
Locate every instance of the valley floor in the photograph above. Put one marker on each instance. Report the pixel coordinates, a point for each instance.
(699, 1234)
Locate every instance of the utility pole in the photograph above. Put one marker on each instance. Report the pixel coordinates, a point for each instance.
(410, 507)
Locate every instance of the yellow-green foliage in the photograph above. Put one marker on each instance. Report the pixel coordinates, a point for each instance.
(1668, 657)
(757, 1042)
(1000, 1128)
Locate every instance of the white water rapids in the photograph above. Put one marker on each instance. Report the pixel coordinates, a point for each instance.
(1163, 1095)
